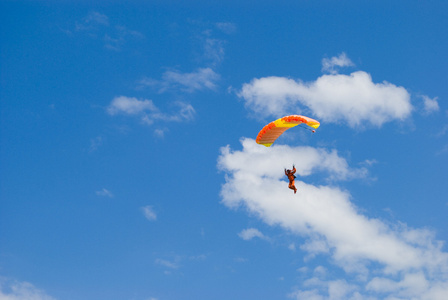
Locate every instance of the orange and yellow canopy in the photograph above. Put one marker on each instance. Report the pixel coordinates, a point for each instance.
(273, 130)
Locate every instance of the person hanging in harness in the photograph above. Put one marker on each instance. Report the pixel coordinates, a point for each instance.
(291, 177)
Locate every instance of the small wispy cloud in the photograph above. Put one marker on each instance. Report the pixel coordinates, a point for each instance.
(331, 65)
(147, 112)
(166, 263)
(95, 143)
(442, 131)
(130, 106)
(443, 150)
(200, 257)
(160, 132)
(226, 27)
(117, 39)
(202, 78)
(98, 26)
(149, 213)
(16, 290)
(430, 105)
(320, 271)
(198, 80)
(335, 289)
(315, 245)
(292, 247)
(240, 259)
(369, 162)
(93, 21)
(250, 233)
(104, 193)
(214, 51)
(176, 261)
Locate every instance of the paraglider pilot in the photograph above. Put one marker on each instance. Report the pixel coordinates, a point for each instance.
(291, 177)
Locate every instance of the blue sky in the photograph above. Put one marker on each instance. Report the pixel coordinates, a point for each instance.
(129, 168)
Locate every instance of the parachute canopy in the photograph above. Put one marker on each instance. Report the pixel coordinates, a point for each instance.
(273, 130)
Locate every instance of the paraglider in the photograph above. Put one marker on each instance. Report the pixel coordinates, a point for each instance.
(273, 130)
(291, 177)
(269, 134)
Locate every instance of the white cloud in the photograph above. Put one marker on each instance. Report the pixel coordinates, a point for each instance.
(306, 295)
(442, 131)
(167, 263)
(95, 143)
(250, 233)
(315, 245)
(200, 257)
(241, 260)
(93, 21)
(226, 27)
(149, 213)
(320, 271)
(413, 285)
(270, 162)
(116, 39)
(175, 261)
(213, 48)
(331, 65)
(98, 26)
(186, 112)
(96, 17)
(202, 78)
(353, 99)
(331, 290)
(159, 133)
(148, 112)
(430, 105)
(130, 106)
(15, 290)
(443, 150)
(214, 51)
(105, 193)
(334, 226)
